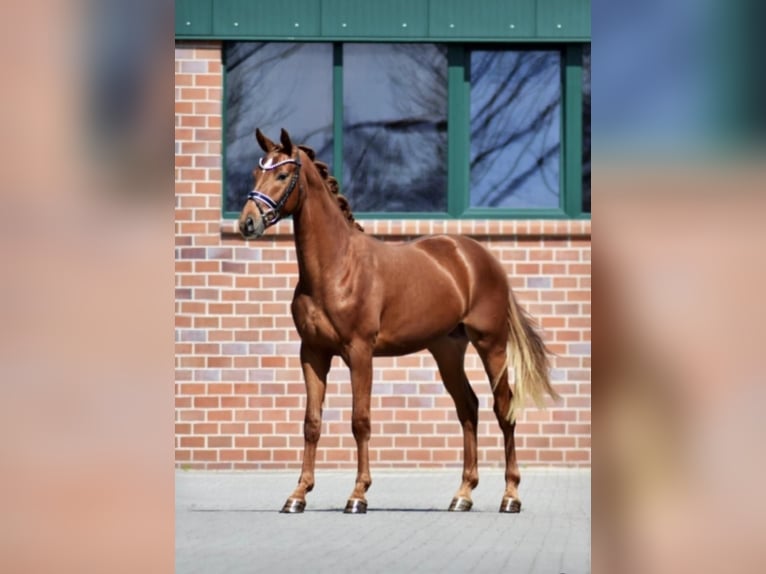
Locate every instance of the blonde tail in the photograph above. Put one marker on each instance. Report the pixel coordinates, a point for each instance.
(529, 355)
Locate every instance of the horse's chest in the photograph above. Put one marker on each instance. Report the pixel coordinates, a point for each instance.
(313, 323)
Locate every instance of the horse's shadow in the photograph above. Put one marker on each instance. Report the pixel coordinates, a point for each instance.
(312, 510)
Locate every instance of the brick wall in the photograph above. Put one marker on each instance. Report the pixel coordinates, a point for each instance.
(239, 389)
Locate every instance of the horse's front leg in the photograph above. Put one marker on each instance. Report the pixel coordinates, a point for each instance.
(360, 364)
(316, 365)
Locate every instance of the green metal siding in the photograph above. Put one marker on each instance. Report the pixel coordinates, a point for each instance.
(563, 18)
(194, 17)
(265, 19)
(393, 20)
(482, 18)
(390, 19)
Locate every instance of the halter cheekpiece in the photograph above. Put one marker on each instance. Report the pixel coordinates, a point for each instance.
(273, 214)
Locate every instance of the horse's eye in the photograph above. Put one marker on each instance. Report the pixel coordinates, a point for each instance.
(282, 177)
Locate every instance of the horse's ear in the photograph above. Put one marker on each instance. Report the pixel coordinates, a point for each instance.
(266, 144)
(287, 145)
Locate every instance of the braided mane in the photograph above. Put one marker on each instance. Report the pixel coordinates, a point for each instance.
(331, 184)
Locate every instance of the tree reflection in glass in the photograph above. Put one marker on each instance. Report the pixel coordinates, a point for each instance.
(274, 85)
(395, 127)
(515, 128)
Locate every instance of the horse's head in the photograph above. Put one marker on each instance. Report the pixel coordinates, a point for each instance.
(276, 179)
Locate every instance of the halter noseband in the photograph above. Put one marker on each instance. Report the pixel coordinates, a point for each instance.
(273, 214)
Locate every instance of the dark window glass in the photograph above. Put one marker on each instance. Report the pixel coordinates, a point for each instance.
(273, 86)
(515, 128)
(395, 127)
(586, 129)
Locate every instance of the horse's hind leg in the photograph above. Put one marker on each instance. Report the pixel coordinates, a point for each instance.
(315, 366)
(449, 353)
(491, 345)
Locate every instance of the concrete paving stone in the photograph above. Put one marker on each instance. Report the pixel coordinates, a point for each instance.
(229, 522)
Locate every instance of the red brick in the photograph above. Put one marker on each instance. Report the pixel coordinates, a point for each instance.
(192, 388)
(339, 455)
(206, 402)
(219, 415)
(258, 429)
(192, 415)
(232, 428)
(207, 135)
(191, 95)
(567, 255)
(207, 108)
(562, 415)
(551, 456)
(206, 428)
(564, 442)
(577, 456)
(285, 455)
(207, 80)
(578, 295)
(553, 269)
(527, 268)
(184, 80)
(564, 282)
(201, 454)
(193, 122)
(192, 442)
(568, 336)
(183, 403)
(219, 442)
(579, 269)
(232, 454)
(540, 255)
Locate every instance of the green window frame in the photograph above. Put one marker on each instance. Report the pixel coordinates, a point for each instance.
(458, 139)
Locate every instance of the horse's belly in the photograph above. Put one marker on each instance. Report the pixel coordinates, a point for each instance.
(398, 347)
(418, 320)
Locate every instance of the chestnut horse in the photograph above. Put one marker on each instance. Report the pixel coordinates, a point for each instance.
(358, 297)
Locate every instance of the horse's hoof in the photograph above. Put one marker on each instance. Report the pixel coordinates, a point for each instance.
(509, 504)
(460, 504)
(355, 506)
(293, 506)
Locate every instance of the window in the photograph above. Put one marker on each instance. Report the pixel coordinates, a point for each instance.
(266, 87)
(419, 129)
(395, 127)
(515, 128)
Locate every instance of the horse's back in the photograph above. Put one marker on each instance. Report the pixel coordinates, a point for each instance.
(464, 255)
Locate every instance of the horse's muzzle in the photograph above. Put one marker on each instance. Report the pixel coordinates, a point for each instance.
(250, 228)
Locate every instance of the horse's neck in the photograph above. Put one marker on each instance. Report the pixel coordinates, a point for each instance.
(321, 236)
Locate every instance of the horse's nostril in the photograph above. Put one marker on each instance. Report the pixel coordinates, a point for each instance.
(249, 225)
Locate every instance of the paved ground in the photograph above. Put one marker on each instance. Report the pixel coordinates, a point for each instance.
(229, 523)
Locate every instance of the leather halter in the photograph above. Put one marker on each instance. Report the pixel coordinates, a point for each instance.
(274, 213)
